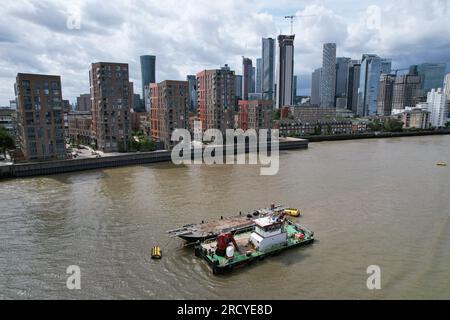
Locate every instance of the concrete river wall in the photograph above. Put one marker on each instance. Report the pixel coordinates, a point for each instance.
(63, 166)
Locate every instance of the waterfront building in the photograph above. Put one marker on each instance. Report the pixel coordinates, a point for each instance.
(148, 71)
(328, 76)
(432, 75)
(258, 88)
(385, 93)
(247, 77)
(315, 87)
(312, 114)
(40, 116)
(111, 96)
(268, 69)
(216, 98)
(80, 127)
(447, 93)
(285, 71)
(84, 103)
(414, 118)
(192, 79)
(170, 109)
(295, 128)
(407, 91)
(372, 66)
(342, 81)
(437, 107)
(255, 114)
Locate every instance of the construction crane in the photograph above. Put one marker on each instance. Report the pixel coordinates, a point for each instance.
(297, 16)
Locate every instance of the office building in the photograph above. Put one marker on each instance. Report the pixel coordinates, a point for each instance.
(216, 98)
(148, 71)
(40, 117)
(258, 88)
(372, 66)
(385, 94)
(354, 73)
(238, 85)
(407, 91)
(170, 109)
(432, 75)
(328, 76)
(268, 69)
(285, 71)
(111, 95)
(342, 80)
(247, 77)
(315, 87)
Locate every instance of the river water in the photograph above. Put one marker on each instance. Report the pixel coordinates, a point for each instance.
(370, 202)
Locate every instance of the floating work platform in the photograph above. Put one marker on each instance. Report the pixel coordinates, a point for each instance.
(265, 239)
(210, 230)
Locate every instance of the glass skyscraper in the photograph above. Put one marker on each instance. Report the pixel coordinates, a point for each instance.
(432, 74)
(148, 72)
(372, 66)
(268, 68)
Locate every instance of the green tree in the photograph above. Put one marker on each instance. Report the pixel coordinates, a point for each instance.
(375, 125)
(6, 140)
(447, 124)
(393, 125)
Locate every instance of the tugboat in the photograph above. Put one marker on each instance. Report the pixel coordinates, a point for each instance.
(210, 230)
(269, 236)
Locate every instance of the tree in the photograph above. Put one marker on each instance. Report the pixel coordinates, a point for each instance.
(375, 125)
(393, 125)
(6, 140)
(447, 124)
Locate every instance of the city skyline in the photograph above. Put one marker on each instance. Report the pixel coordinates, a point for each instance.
(107, 34)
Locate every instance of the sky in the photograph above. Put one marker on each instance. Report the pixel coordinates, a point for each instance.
(65, 37)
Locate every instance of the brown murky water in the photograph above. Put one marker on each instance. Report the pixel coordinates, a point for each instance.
(382, 202)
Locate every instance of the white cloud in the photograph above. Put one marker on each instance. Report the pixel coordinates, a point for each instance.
(191, 35)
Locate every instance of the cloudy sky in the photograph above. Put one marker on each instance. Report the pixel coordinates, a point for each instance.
(187, 36)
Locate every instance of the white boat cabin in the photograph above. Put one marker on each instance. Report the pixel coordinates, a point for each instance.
(269, 232)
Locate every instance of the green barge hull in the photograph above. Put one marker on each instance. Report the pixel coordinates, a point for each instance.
(248, 255)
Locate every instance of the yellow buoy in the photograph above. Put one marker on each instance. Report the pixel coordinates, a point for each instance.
(156, 253)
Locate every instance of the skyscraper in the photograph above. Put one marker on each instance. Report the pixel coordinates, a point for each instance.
(258, 88)
(328, 77)
(216, 98)
(353, 85)
(238, 86)
(253, 87)
(385, 93)
(285, 71)
(295, 86)
(432, 75)
(84, 102)
(407, 90)
(342, 72)
(268, 69)
(372, 66)
(315, 87)
(192, 79)
(111, 104)
(437, 106)
(247, 77)
(447, 93)
(40, 119)
(170, 105)
(148, 72)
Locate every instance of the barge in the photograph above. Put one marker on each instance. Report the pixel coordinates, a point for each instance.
(210, 230)
(270, 235)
